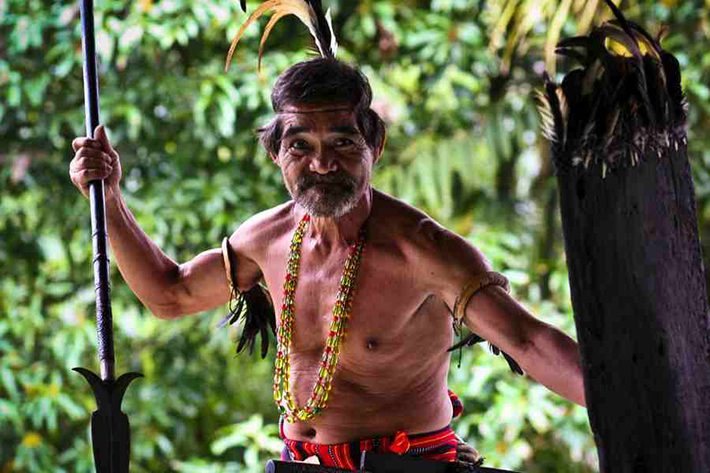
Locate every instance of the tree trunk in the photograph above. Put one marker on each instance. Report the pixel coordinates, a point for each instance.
(635, 264)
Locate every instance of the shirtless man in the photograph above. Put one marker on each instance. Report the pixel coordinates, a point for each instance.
(389, 386)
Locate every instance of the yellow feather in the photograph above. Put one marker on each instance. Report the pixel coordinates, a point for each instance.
(272, 22)
(617, 48)
(263, 8)
(281, 8)
(645, 46)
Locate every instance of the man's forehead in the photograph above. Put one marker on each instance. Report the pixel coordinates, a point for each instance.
(314, 116)
(312, 110)
(317, 107)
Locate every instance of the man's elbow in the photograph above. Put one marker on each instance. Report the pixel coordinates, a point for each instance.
(166, 312)
(558, 358)
(173, 303)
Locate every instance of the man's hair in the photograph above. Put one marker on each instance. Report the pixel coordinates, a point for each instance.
(323, 80)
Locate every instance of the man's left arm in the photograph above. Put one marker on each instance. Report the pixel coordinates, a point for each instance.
(544, 352)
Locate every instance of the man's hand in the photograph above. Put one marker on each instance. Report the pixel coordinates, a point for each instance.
(466, 453)
(95, 159)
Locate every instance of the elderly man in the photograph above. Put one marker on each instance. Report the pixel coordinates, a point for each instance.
(365, 284)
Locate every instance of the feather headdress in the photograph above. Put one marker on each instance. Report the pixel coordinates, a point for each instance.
(310, 12)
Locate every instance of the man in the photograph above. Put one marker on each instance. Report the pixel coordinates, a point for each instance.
(366, 284)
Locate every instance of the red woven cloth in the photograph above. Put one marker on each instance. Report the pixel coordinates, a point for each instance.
(438, 445)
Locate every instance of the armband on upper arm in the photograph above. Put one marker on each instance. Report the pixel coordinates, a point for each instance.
(475, 285)
(229, 266)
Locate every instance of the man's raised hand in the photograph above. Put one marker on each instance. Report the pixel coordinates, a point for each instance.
(95, 159)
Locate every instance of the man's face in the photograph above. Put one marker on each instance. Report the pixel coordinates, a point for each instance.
(325, 161)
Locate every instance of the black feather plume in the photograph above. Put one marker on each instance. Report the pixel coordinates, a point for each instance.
(474, 338)
(323, 27)
(255, 308)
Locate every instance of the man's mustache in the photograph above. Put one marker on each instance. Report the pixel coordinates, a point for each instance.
(334, 178)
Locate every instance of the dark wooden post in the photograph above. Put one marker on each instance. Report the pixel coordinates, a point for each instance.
(631, 236)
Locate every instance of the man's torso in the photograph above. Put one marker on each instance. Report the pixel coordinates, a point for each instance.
(393, 363)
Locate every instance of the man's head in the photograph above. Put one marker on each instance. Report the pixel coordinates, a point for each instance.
(325, 137)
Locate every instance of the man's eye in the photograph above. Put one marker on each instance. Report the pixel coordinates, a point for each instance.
(344, 142)
(299, 145)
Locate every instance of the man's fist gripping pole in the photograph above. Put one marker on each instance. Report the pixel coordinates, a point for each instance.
(95, 159)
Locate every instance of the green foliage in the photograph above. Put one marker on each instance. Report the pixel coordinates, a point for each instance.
(453, 79)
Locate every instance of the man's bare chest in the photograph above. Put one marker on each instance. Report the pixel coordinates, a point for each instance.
(388, 303)
(395, 340)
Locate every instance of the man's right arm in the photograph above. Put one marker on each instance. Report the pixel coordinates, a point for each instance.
(168, 289)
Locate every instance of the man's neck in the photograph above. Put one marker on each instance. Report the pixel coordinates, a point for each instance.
(343, 231)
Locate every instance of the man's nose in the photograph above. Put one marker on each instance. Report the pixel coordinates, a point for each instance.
(324, 161)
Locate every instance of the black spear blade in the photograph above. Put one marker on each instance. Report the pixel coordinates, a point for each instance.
(110, 431)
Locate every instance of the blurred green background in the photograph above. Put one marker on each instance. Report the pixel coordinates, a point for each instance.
(454, 81)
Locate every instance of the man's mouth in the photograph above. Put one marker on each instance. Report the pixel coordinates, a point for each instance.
(326, 196)
(329, 183)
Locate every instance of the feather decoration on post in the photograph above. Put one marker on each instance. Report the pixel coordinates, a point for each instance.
(612, 111)
(310, 12)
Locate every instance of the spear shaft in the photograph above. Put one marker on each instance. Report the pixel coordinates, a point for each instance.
(110, 430)
(104, 318)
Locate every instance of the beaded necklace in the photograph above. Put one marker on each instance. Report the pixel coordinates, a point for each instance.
(341, 313)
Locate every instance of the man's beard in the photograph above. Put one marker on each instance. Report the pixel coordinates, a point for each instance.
(326, 195)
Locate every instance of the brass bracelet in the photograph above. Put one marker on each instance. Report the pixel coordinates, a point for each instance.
(228, 259)
(490, 278)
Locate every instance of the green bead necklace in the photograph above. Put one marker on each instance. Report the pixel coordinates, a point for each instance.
(341, 313)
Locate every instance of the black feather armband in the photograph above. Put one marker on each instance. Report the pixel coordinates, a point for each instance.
(253, 306)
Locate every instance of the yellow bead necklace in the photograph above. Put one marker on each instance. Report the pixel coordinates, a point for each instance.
(342, 311)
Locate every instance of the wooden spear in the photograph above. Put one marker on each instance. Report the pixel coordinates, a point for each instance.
(110, 432)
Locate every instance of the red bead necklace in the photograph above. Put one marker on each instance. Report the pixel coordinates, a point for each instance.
(341, 313)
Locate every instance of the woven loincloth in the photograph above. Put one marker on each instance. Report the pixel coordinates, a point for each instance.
(438, 445)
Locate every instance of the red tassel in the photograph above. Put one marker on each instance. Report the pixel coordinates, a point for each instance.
(400, 444)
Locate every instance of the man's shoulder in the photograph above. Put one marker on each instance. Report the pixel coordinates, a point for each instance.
(425, 241)
(410, 225)
(392, 212)
(264, 227)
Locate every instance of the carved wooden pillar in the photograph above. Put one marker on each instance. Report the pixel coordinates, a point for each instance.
(636, 273)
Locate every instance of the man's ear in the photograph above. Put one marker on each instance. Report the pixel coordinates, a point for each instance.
(274, 158)
(382, 146)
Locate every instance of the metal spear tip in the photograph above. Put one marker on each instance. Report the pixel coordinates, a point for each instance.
(110, 430)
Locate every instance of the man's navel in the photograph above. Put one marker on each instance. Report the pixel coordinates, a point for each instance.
(372, 343)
